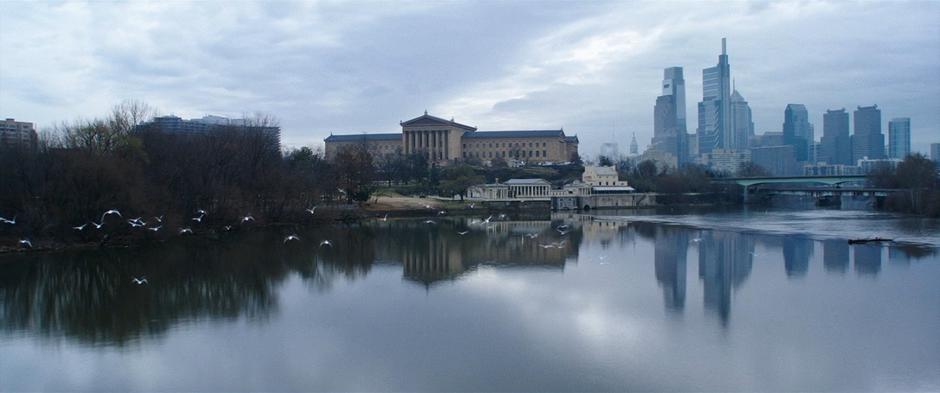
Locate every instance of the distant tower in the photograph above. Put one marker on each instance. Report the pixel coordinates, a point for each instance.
(669, 121)
(867, 140)
(836, 142)
(899, 137)
(797, 130)
(714, 111)
(634, 149)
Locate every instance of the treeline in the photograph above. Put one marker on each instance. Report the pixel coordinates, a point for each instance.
(918, 176)
(83, 168)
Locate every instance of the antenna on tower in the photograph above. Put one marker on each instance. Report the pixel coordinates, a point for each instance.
(724, 46)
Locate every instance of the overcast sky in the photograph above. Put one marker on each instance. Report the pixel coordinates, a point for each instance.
(592, 68)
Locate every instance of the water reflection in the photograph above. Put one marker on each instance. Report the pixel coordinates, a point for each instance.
(88, 296)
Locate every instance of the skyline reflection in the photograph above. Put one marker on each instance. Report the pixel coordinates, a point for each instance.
(87, 295)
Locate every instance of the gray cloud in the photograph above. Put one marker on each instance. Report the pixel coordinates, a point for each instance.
(592, 68)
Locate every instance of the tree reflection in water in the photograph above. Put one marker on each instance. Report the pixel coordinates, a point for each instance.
(88, 296)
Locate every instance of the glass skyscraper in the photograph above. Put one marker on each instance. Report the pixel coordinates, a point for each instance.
(899, 137)
(714, 112)
(797, 131)
(669, 120)
(836, 143)
(867, 140)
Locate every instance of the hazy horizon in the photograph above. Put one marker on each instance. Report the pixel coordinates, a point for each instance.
(593, 69)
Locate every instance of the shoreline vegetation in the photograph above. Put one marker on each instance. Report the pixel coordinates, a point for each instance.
(54, 193)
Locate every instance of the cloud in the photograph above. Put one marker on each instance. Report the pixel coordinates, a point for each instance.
(592, 68)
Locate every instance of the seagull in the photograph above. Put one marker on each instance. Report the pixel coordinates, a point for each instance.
(441, 213)
(200, 212)
(134, 223)
(561, 231)
(696, 240)
(139, 281)
(532, 235)
(186, 230)
(198, 219)
(487, 220)
(326, 243)
(112, 211)
(429, 222)
(427, 206)
(385, 218)
(291, 237)
(471, 206)
(228, 227)
(247, 219)
(155, 228)
(97, 225)
(8, 221)
(80, 227)
(159, 219)
(312, 210)
(502, 216)
(463, 233)
(26, 243)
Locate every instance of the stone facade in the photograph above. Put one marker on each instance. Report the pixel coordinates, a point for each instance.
(444, 141)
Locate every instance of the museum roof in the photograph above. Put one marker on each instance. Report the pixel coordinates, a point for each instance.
(515, 134)
(364, 136)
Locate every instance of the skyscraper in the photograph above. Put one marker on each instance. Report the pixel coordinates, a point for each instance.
(836, 145)
(742, 124)
(669, 120)
(634, 148)
(899, 137)
(867, 140)
(935, 152)
(714, 112)
(797, 131)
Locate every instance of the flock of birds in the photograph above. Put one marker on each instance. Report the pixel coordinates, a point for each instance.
(156, 224)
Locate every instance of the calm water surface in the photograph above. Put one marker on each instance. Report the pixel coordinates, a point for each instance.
(727, 301)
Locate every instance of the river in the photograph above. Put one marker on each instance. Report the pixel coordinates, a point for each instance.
(733, 301)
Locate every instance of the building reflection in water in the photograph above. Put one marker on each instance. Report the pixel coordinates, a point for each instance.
(671, 247)
(430, 253)
(867, 258)
(836, 255)
(797, 250)
(725, 261)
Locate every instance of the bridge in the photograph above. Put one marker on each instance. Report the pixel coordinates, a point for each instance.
(834, 181)
(827, 180)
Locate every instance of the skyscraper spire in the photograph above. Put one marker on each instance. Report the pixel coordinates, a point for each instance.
(724, 47)
(634, 148)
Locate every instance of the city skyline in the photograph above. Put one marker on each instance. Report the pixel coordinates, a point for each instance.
(582, 67)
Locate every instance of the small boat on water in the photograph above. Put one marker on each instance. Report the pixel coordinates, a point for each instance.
(869, 240)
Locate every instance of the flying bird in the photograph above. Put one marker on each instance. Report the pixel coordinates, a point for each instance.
(201, 212)
(97, 225)
(154, 229)
(532, 235)
(248, 218)
(139, 281)
(312, 210)
(326, 243)
(134, 224)
(385, 218)
(26, 243)
(442, 212)
(198, 219)
(696, 240)
(112, 211)
(291, 237)
(463, 233)
(429, 222)
(487, 220)
(159, 219)
(186, 230)
(228, 227)
(80, 227)
(8, 221)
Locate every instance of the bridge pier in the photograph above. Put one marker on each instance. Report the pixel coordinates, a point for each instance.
(745, 194)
